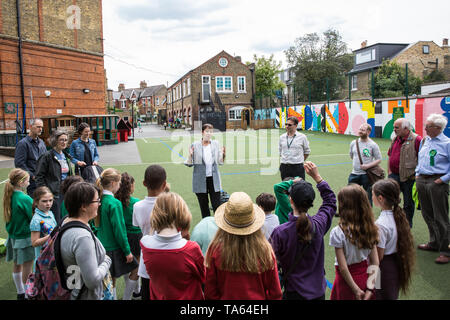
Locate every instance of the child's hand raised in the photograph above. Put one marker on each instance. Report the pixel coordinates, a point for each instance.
(312, 170)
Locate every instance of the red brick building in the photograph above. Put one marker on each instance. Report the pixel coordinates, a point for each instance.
(60, 62)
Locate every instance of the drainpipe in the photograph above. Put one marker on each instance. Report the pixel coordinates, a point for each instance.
(22, 85)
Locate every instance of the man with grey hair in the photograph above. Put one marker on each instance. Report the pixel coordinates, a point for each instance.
(28, 151)
(432, 179)
(402, 162)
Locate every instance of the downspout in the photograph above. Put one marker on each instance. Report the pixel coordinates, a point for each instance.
(22, 85)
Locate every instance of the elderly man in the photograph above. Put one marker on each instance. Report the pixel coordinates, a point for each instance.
(369, 155)
(402, 162)
(28, 151)
(432, 179)
(294, 150)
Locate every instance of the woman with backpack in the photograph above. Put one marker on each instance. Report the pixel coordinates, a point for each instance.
(298, 243)
(79, 247)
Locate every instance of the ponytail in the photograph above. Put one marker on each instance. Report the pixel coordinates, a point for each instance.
(99, 185)
(107, 176)
(405, 248)
(16, 177)
(304, 228)
(7, 196)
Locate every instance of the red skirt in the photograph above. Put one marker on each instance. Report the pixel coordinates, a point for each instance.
(341, 290)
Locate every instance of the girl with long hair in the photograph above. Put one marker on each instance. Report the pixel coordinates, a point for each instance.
(396, 247)
(43, 220)
(174, 264)
(134, 234)
(240, 262)
(111, 229)
(354, 239)
(17, 212)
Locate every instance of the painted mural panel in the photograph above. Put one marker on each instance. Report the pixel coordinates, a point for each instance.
(343, 118)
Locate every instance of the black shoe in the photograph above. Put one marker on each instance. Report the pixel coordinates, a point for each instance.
(136, 296)
(336, 215)
(21, 296)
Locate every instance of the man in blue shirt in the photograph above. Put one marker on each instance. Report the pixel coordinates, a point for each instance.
(432, 182)
(28, 151)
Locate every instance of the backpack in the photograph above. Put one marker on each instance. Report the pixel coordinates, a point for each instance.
(91, 173)
(48, 282)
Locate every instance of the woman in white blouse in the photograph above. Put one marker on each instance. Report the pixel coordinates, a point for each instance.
(396, 245)
(205, 156)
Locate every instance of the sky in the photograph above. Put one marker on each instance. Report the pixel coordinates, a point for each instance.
(160, 40)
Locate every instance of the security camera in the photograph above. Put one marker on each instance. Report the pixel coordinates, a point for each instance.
(47, 93)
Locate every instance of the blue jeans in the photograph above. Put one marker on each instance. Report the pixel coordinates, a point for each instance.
(408, 202)
(363, 181)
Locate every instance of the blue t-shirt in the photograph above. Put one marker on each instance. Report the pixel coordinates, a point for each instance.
(63, 162)
(35, 225)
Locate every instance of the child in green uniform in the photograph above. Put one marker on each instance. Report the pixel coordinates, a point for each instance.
(17, 210)
(283, 205)
(64, 187)
(134, 234)
(111, 228)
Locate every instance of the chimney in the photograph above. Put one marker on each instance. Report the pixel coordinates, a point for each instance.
(238, 58)
(364, 44)
(445, 42)
(121, 87)
(143, 85)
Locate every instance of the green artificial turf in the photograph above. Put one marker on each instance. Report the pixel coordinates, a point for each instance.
(251, 166)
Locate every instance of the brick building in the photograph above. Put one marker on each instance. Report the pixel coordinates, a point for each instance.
(150, 101)
(221, 82)
(54, 52)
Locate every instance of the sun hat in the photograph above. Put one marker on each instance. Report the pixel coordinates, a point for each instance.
(239, 215)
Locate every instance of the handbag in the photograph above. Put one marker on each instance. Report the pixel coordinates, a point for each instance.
(374, 173)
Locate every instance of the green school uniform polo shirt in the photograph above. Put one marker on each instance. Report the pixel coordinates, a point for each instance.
(283, 206)
(112, 231)
(21, 215)
(128, 216)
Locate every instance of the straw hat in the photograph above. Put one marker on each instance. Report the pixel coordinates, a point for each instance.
(239, 215)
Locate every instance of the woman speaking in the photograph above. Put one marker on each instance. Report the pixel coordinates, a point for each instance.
(205, 156)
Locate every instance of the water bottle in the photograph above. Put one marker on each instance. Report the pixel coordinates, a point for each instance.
(46, 228)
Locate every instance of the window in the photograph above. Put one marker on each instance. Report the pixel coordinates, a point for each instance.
(354, 82)
(241, 84)
(426, 49)
(157, 101)
(189, 86)
(366, 56)
(123, 104)
(184, 89)
(235, 113)
(224, 84)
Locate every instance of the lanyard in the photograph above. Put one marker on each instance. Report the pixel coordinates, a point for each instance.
(287, 141)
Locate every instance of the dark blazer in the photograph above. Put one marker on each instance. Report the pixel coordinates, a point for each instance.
(48, 171)
(27, 153)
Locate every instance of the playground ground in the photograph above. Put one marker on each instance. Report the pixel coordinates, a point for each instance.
(252, 166)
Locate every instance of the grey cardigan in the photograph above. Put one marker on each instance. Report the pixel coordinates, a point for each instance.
(78, 248)
(196, 161)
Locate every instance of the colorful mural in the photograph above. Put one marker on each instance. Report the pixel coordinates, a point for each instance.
(343, 118)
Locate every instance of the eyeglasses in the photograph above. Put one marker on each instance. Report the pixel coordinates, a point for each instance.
(428, 127)
(99, 201)
(289, 124)
(63, 140)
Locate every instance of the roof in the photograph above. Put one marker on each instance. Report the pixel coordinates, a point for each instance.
(384, 51)
(140, 92)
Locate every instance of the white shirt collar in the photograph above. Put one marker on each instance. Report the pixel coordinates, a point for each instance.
(108, 192)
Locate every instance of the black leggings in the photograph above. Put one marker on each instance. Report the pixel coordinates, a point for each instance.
(203, 198)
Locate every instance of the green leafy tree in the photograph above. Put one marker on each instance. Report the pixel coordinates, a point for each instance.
(434, 76)
(390, 81)
(318, 60)
(266, 76)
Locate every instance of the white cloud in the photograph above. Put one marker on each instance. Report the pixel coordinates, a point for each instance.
(167, 38)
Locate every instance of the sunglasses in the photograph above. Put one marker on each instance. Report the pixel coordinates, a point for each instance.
(289, 125)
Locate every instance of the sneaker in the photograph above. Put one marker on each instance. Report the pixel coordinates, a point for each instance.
(136, 296)
(21, 296)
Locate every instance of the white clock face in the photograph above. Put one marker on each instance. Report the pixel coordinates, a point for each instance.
(223, 62)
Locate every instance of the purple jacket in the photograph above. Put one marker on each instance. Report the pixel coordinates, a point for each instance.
(308, 278)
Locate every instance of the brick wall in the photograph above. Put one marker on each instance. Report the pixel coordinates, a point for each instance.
(418, 62)
(64, 73)
(55, 58)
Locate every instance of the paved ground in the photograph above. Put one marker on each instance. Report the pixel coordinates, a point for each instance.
(121, 153)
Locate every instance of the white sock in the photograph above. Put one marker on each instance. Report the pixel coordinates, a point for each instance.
(114, 293)
(138, 286)
(17, 277)
(130, 286)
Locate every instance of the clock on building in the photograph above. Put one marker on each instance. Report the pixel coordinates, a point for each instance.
(223, 62)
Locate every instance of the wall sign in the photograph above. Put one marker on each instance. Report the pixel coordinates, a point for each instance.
(10, 107)
(223, 62)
